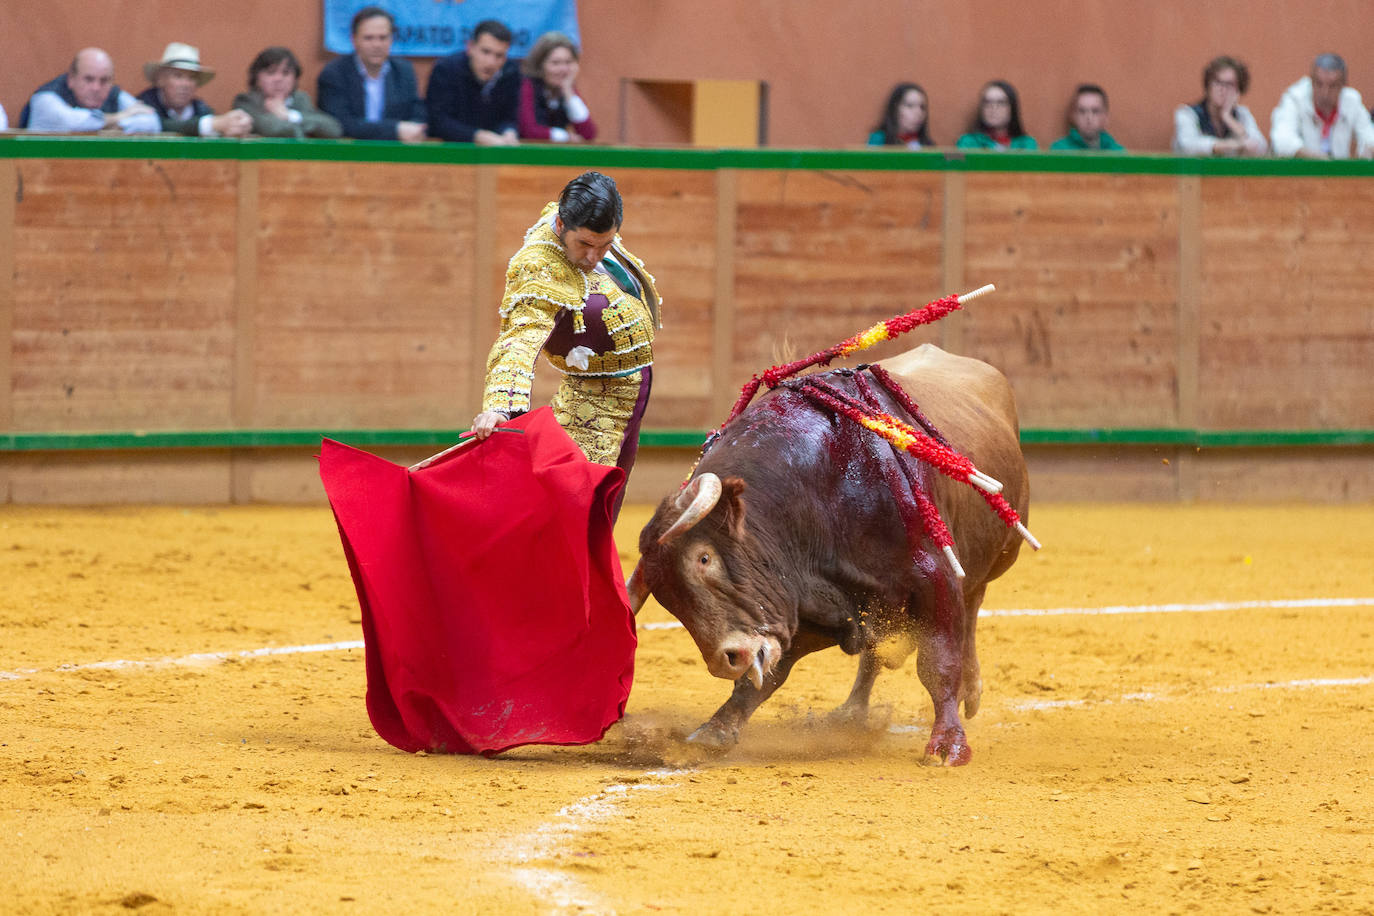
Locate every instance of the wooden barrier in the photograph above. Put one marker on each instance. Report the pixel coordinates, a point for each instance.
(171, 285)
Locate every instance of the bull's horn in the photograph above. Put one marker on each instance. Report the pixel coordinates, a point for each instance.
(638, 593)
(699, 497)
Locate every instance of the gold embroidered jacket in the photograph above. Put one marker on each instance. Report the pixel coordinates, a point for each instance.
(547, 293)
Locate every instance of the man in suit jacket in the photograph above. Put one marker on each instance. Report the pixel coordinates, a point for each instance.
(474, 95)
(373, 95)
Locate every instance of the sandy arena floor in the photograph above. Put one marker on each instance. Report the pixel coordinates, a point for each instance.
(1214, 757)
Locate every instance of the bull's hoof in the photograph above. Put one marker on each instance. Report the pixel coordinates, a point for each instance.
(714, 736)
(949, 750)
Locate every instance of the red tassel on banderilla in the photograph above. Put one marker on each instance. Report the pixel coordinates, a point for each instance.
(927, 444)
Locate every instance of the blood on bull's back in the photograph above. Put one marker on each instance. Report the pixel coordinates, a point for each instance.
(801, 529)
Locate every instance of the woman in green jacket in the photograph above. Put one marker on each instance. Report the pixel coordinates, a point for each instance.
(998, 125)
(277, 107)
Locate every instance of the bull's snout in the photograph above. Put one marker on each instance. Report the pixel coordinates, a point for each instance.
(742, 654)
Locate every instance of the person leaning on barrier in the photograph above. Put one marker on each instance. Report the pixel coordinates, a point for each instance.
(550, 108)
(1088, 122)
(176, 78)
(998, 123)
(1219, 125)
(1320, 117)
(87, 98)
(374, 95)
(473, 95)
(277, 107)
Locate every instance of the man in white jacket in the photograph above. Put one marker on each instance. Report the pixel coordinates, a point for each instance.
(1320, 117)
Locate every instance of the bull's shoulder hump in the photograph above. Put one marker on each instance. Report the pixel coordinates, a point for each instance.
(930, 362)
(938, 380)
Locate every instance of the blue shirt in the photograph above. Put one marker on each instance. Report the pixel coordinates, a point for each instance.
(374, 91)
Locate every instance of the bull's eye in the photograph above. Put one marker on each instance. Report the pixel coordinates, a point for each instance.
(704, 559)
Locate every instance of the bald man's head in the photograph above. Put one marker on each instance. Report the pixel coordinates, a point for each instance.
(91, 77)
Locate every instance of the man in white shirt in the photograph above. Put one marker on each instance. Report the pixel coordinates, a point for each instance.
(87, 99)
(1320, 117)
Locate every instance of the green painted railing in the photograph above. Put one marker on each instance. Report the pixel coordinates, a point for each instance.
(34, 146)
(20, 146)
(651, 438)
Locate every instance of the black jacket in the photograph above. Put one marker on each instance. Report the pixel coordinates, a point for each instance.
(341, 95)
(457, 108)
(189, 127)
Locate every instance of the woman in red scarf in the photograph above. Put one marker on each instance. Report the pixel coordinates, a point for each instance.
(906, 119)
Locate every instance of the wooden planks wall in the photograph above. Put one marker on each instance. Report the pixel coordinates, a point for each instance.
(1087, 268)
(364, 294)
(221, 294)
(822, 255)
(1286, 326)
(123, 294)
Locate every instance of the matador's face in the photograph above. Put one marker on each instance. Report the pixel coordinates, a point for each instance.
(584, 247)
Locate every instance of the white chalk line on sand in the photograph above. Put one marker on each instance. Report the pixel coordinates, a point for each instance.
(194, 660)
(1148, 697)
(563, 892)
(554, 887)
(202, 659)
(1110, 610)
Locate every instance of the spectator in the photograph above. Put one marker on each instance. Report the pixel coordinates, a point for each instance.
(373, 95)
(277, 107)
(998, 125)
(550, 108)
(175, 80)
(1319, 116)
(86, 98)
(906, 119)
(1088, 121)
(473, 95)
(1219, 125)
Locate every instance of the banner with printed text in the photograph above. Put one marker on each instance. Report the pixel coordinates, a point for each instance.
(433, 28)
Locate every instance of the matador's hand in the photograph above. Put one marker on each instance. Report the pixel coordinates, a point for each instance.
(485, 423)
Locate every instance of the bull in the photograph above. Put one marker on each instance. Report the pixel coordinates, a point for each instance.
(789, 538)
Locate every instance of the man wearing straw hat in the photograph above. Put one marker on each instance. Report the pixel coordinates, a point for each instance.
(175, 79)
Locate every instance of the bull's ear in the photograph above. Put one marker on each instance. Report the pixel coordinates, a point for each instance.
(732, 497)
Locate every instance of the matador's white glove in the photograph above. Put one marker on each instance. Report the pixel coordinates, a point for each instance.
(578, 357)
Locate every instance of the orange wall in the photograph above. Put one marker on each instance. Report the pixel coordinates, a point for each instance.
(829, 66)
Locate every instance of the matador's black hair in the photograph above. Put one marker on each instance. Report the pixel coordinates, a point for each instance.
(590, 201)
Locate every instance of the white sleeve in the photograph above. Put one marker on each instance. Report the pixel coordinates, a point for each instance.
(1361, 123)
(205, 128)
(578, 112)
(4, 119)
(1188, 136)
(146, 123)
(1285, 127)
(1255, 144)
(558, 135)
(47, 112)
